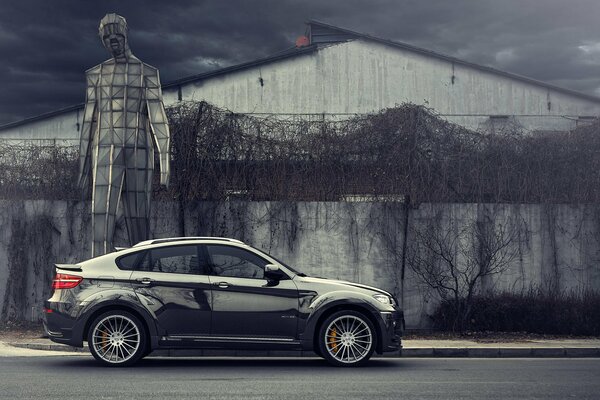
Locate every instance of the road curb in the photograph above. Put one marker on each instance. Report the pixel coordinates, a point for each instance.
(458, 352)
(50, 347)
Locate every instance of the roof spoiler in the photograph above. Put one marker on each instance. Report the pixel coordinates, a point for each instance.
(68, 267)
(121, 248)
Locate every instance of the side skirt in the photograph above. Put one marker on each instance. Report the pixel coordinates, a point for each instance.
(228, 342)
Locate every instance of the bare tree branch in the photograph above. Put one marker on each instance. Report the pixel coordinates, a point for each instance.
(453, 261)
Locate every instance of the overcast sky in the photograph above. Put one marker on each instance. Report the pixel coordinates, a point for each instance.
(46, 45)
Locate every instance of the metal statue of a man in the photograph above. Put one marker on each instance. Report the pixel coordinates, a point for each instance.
(124, 119)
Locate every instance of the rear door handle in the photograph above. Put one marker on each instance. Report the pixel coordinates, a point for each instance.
(145, 280)
(223, 285)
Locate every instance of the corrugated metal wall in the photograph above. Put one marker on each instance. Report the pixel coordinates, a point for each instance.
(362, 76)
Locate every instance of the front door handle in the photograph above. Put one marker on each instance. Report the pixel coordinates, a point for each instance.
(144, 281)
(223, 285)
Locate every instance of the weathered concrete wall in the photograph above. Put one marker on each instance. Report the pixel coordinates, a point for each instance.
(351, 241)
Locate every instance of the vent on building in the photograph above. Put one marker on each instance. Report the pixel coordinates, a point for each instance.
(585, 120)
(502, 124)
(302, 41)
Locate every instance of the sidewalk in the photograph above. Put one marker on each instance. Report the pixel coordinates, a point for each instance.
(411, 348)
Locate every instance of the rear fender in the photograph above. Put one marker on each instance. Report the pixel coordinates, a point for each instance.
(115, 299)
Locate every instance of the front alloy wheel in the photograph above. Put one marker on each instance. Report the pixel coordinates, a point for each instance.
(347, 339)
(117, 338)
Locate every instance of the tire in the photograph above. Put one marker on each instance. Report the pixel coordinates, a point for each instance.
(347, 339)
(117, 339)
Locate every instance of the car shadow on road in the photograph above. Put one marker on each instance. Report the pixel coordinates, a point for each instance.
(228, 362)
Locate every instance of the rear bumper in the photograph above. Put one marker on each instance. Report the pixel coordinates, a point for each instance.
(61, 327)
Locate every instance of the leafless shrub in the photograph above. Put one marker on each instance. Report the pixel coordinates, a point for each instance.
(29, 170)
(453, 259)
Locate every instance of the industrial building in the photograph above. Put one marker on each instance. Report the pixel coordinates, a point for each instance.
(336, 73)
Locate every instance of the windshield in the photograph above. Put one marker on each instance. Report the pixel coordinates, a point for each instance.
(294, 270)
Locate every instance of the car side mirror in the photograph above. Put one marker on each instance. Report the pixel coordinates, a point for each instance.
(273, 272)
(271, 267)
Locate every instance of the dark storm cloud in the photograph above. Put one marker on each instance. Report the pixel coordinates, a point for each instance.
(46, 45)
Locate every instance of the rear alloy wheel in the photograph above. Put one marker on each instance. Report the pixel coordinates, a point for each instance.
(347, 339)
(117, 339)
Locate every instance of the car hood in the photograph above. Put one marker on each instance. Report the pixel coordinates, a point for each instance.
(340, 285)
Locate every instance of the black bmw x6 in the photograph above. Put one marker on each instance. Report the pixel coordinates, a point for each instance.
(214, 293)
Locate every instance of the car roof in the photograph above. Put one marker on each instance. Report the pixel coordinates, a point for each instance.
(183, 239)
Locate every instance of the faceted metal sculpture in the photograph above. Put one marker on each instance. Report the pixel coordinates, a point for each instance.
(124, 119)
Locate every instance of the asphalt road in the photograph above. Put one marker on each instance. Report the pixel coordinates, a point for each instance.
(79, 377)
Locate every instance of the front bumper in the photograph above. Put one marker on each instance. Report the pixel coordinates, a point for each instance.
(391, 328)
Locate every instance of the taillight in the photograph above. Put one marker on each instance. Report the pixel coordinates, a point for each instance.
(65, 281)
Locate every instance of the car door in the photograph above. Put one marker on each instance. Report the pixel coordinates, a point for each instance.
(171, 281)
(244, 303)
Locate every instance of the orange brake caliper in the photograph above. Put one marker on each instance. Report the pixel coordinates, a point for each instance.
(332, 343)
(104, 340)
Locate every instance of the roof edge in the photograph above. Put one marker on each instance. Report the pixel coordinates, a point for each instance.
(42, 116)
(260, 61)
(458, 61)
(177, 82)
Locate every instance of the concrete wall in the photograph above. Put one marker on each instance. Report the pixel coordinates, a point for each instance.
(360, 77)
(350, 241)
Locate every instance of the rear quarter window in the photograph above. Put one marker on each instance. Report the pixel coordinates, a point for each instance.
(128, 262)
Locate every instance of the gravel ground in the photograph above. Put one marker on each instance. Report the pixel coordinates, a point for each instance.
(21, 332)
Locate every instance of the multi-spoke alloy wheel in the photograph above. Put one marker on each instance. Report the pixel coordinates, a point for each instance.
(117, 338)
(347, 339)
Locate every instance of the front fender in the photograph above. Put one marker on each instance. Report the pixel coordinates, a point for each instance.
(324, 304)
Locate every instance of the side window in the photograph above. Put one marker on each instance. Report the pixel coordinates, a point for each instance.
(129, 261)
(173, 260)
(235, 262)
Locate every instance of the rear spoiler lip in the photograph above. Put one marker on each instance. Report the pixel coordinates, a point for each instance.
(68, 267)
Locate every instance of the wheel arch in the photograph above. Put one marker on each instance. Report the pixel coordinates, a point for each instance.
(364, 309)
(143, 316)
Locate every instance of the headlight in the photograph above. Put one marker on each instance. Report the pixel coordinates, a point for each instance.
(382, 298)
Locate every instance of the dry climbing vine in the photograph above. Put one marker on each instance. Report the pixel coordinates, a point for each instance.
(407, 150)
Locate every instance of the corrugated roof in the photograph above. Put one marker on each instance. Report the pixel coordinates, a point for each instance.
(323, 34)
